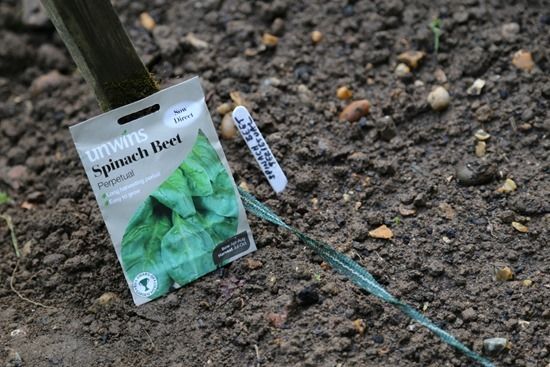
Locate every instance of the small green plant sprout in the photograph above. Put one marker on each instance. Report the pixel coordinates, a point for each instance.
(397, 220)
(435, 27)
(4, 198)
(317, 277)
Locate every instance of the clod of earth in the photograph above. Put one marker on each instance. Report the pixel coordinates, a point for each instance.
(495, 346)
(475, 172)
(355, 110)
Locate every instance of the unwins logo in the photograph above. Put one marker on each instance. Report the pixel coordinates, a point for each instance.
(118, 144)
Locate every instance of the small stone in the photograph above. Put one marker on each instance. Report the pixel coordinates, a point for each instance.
(476, 87)
(494, 346)
(411, 58)
(508, 186)
(355, 110)
(476, 172)
(504, 274)
(34, 14)
(386, 128)
(527, 282)
(308, 296)
(224, 108)
(228, 130)
(481, 148)
(406, 212)
(482, 135)
(316, 37)
(523, 60)
(382, 232)
(107, 298)
(238, 99)
(402, 70)
(47, 82)
(525, 127)
(439, 98)
(270, 40)
(360, 326)
(344, 93)
(278, 26)
(509, 31)
(147, 21)
(253, 264)
(520, 227)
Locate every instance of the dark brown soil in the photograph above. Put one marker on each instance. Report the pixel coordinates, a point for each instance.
(345, 179)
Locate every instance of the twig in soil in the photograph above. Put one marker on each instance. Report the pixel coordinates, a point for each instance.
(9, 223)
(12, 281)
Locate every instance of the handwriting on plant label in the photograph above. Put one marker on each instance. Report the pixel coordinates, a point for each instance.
(259, 148)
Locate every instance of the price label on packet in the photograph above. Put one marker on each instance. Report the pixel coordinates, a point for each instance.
(259, 148)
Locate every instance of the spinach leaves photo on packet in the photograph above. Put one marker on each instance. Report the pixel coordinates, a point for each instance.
(173, 233)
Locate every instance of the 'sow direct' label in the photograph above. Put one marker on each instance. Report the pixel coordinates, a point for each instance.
(259, 148)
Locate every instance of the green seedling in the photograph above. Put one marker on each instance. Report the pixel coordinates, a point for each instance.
(397, 220)
(435, 27)
(4, 198)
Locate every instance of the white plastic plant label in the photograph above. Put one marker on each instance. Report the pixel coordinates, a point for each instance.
(259, 148)
(164, 189)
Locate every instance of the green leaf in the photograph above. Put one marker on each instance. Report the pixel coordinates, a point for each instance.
(205, 154)
(4, 198)
(218, 227)
(197, 178)
(223, 201)
(175, 194)
(141, 244)
(187, 250)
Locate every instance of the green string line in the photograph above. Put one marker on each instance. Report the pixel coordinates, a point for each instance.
(358, 275)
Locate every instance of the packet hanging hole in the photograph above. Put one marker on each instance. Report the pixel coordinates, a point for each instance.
(165, 190)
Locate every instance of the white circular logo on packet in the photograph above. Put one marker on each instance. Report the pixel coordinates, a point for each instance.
(145, 284)
(182, 114)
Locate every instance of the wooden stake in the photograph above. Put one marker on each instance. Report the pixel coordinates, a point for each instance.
(102, 50)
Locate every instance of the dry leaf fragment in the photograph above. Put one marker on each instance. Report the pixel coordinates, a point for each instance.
(253, 264)
(480, 149)
(277, 319)
(238, 99)
(382, 232)
(27, 205)
(520, 227)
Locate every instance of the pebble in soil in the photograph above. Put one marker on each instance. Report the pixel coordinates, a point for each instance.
(439, 98)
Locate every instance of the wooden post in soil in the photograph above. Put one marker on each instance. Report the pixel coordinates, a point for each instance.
(102, 51)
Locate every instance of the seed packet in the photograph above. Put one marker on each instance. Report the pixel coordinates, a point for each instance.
(165, 190)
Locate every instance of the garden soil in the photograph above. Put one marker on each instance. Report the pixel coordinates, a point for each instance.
(282, 306)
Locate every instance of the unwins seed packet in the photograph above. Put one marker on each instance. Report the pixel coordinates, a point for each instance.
(165, 190)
